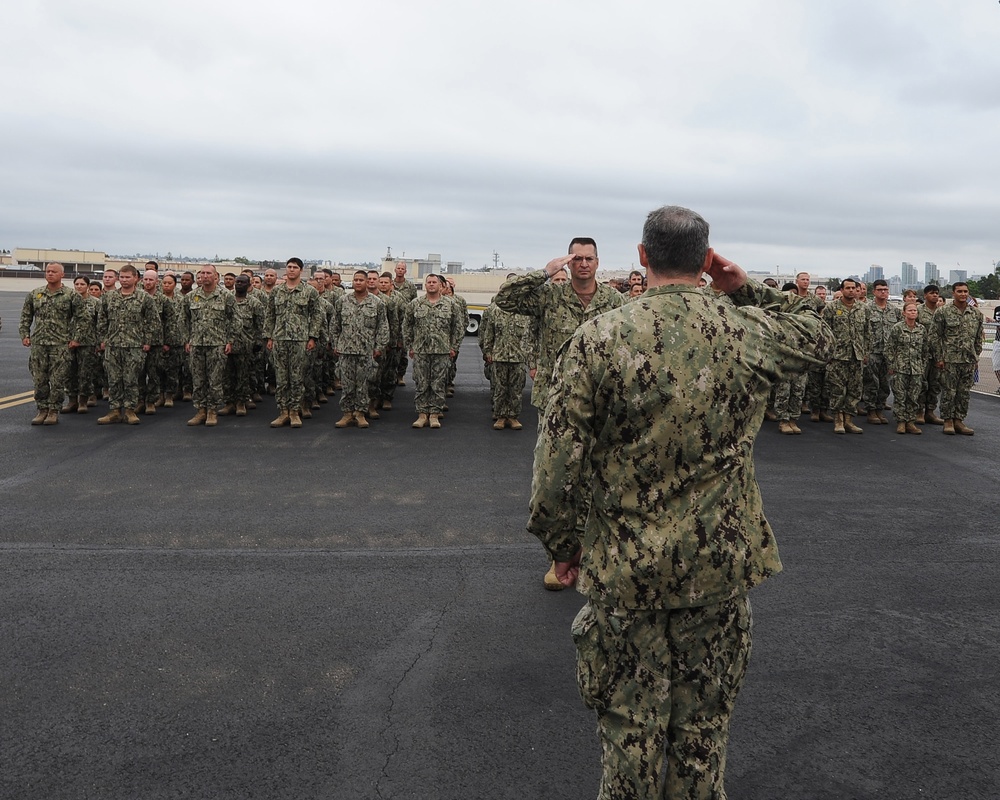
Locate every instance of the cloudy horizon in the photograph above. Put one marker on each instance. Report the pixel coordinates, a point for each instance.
(820, 137)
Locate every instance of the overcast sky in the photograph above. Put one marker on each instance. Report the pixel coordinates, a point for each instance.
(823, 136)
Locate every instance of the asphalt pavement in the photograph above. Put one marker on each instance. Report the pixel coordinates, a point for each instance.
(242, 612)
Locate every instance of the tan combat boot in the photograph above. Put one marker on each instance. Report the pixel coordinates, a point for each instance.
(200, 416)
(550, 581)
(500, 424)
(838, 423)
(131, 418)
(372, 412)
(295, 418)
(962, 428)
(873, 419)
(81, 405)
(211, 417)
(515, 425)
(421, 421)
(52, 418)
(39, 418)
(111, 418)
(168, 401)
(769, 415)
(911, 428)
(826, 416)
(881, 418)
(949, 427)
(72, 404)
(241, 409)
(900, 427)
(931, 418)
(160, 401)
(785, 427)
(849, 425)
(281, 419)
(227, 409)
(435, 420)
(150, 408)
(920, 418)
(387, 405)
(92, 401)
(344, 421)
(360, 419)
(814, 415)
(305, 412)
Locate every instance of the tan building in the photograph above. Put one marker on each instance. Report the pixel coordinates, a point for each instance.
(75, 261)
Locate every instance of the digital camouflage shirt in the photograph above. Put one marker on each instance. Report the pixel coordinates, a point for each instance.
(51, 318)
(651, 421)
(126, 320)
(959, 335)
(432, 328)
(359, 327)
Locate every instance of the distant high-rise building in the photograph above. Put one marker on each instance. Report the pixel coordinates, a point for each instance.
(874, 274)
(895, 285)
(909, 278)
(957, 276)
(931, 274)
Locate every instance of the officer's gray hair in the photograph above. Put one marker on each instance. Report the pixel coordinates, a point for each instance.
(676, 241)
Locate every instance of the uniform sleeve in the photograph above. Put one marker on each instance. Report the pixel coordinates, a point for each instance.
(381, 328)
(457, 329)
(27, 315)
(523, 295)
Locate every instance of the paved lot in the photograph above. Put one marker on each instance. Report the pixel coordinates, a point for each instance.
(248, 613)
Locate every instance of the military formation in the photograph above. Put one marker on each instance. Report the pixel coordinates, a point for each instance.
(925, 353)
(143, 342)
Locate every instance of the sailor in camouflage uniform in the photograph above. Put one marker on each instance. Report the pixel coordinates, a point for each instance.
(83, 361)
(906, 353)
(173, 357)
(49, 319)
(848, 319)
(650, 425)
(448, 290)
(292, 325)
(407, 291)
(958, 340)
(557, 310)
(208, 319)
(503, 338)
(932, 375)
(432, 329)
(388, 370)
(248, 322)
(360, 333)
(150, 386)
(882, 317)
(126, 324)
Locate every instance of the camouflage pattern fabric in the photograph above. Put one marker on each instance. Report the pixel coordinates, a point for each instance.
(430, 379)
(432, 328)
(558, 312)
(932, 375)
(49, 365)
(289, 359)
(852, 339)
(875, 387)
(51, 318)
(355, 374)
(958, 339)
(788, 395)
(504, 338)
(906, 352)
(126, 320)
(664, 684)
(123, 365)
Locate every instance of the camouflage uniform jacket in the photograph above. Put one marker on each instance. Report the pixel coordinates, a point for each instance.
(926, 318)
(86, 330)
(651, 419)
(880, 322)
(958, 336)
(248, 322)
(54, 316)
(127, 320)
(851, 331)
(327, 306)
(173, 333)
(406, 289)
(164, 315)
(559, 313)
(504, 337)
(208, 317)
(395, 310)
(463, 310)
(432, 328)
(359, 328)
(908, 349)
(293, 315)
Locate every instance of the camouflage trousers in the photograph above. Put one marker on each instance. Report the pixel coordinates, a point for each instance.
(788, 396)
(875, 390)
(816, 394)
(843, 384)
(355, 374)
(452, 370)
(663, 684)
(49, 366)
(170, 369)
(82, 375)
(149, 380)
(507, 387)
(401, 366)
(385, 378)
(956, 383)
(932, 386)
(208, 375)
(906, 391)
(124, 366)
(239, 367)
(289, 360)
(430, 378)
